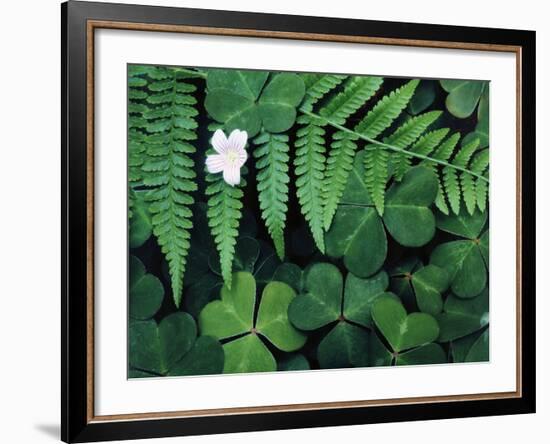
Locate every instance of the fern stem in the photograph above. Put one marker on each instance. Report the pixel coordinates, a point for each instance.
(391, 147)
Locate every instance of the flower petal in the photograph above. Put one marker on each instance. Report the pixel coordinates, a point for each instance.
(220, 142)
(237, 139)
(242, 156)
(215, 163)
(232, 175)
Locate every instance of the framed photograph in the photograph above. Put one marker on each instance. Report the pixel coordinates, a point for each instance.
(276, 221)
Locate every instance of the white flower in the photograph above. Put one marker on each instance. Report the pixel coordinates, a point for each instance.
(230, 156)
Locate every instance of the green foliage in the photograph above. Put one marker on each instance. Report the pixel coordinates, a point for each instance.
(358, 233)
(146, 291)
(463, 96)
(327, 301)
(169, 119)
(371, 158)
(233, 316)
(403, 331)
(238, 100)
(464, 260)
(224, 214)
(171, 348)
(272, 177)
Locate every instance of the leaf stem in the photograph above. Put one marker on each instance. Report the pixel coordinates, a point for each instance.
(391, 147)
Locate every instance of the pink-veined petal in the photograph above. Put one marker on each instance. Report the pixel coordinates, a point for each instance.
(237, 139)
(232, 175)
(215, 163)
(242, 156)
(220, 142)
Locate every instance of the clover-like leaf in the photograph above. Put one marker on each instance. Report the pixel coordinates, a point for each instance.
(357, 233)
(157, 348)
(429, 283)
(426, 354)
(239, 100)
(423, 97)
(479, 352)
(379, 355)
(461, 317)
(321, 305)
(205, 358)
(481, 131)
(360, 294)
(233, 316)
(293, 362)
(248, 354)
(141, 228)
(344, 346)
(463, 96)
(273, 322)
(464, 260)
(407, 215)
(292, 275)
(403, 331)
(400, 282)
(146, 291)
(247, 252)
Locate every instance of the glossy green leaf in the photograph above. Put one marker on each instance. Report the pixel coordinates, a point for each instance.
(407, 215)
(463, 224)
(479, 352)
(429, 283)
(146, 291)
(360, 294)
(233, 314)
(463, 96)
(461, 317)
(461, 346)
(205, 358)
(248, 354)
(403, 331)
(401, 282)
(379, 355)
(273, 320)
(141, 227)
(202, 292)
(426, 354)
(464, 264)
(321, 304)
(357, 234)
(344, 346)
(157, 348)
(239, 100)
(423, 97)
(291, 275)
(293, 362)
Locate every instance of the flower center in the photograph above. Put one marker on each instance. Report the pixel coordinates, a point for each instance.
(232, 156)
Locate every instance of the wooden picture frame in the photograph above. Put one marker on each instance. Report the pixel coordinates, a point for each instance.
(79, 22)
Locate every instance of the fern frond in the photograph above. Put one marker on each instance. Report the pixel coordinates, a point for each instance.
(272, 164)
(224, 214)
(429, 141)
(452, 188)
(357, 90)
(465, 153)
(443, 152)
(386, 110)
(406, 135)
(169, 168)
(376, 175)
(478, 165)
(309, 164)
(317, 86)
(339, 165)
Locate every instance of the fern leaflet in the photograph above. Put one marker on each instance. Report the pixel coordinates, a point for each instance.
(272, 163)
(309, 165)
(339, 165)
(386, 110)
(342, 149)
(404, 136)
(224, 214)
(356, 92)
(309, 162)
(168, 168)
(376, 175)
